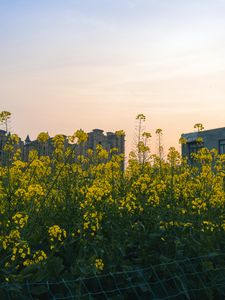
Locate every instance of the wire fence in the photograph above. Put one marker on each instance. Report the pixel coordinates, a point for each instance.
(197, 278)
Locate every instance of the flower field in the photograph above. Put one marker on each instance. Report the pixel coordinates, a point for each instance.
(68, 217)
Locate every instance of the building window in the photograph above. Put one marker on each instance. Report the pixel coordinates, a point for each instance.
(194, 147)
(222, 147)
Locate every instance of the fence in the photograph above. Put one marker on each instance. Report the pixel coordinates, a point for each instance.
(200, 277)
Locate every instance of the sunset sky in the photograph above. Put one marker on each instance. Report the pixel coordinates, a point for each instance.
(70, 64)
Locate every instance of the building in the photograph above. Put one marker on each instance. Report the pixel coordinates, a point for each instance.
(211, 139)
(45, 148)
(4, 138)
(96, 137)
(108, 141)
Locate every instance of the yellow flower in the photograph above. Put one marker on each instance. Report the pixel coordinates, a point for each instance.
(43, 137)
(223, 226)
(99, 264)
(56, 233)
(39, 256)
(20, 219)
(120, 133)
(79, 136)
(27, 262)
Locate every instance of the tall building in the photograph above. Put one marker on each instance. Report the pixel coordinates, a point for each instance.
(96, 137)
(211, 139)
(108, 141)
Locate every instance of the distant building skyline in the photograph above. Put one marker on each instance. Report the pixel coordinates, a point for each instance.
(96, 137)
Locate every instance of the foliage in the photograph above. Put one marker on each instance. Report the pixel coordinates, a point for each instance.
(141, 151)
(199, 126)
(4, 117)
(82, 216)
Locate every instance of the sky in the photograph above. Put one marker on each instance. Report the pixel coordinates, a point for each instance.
(71, 64)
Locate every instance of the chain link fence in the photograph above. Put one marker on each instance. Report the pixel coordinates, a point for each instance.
(197, 278)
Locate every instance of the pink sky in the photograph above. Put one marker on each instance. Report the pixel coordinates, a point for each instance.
(66, 65)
